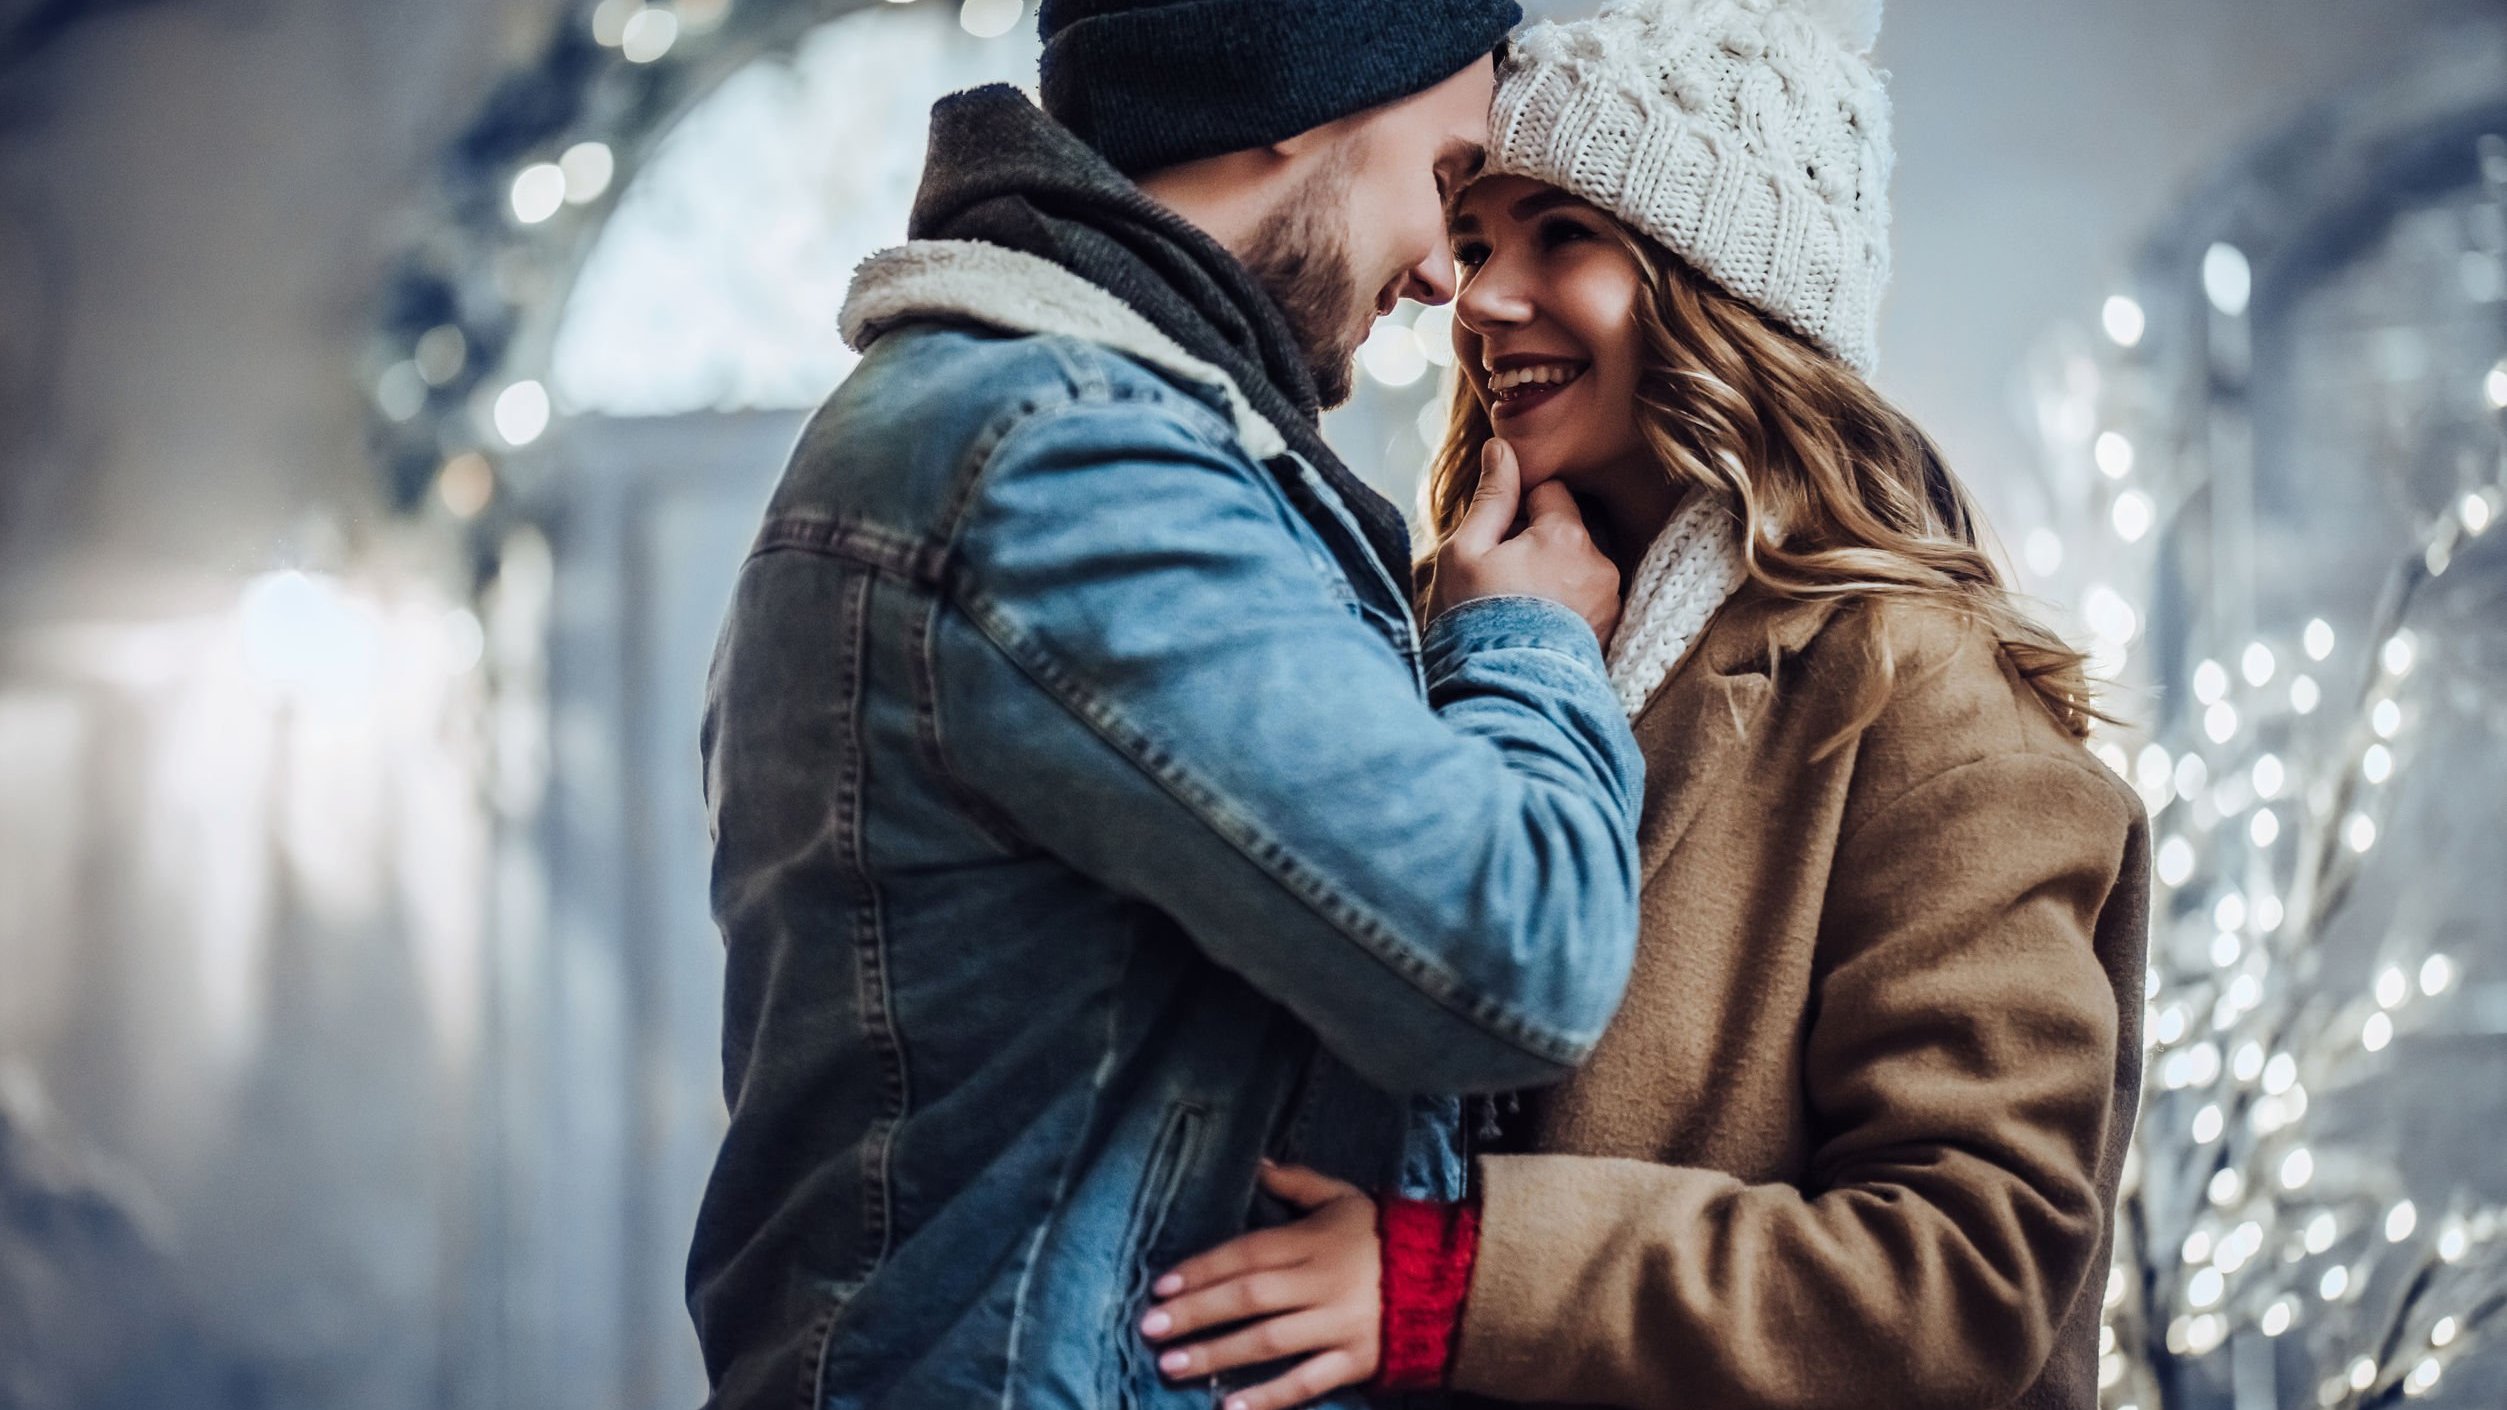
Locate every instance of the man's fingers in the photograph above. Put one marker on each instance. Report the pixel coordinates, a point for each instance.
(1313, 1379)
(1257, 1294)
(1552, 504)
(1267, 1340)
(1492, 513)
(1306, 1188)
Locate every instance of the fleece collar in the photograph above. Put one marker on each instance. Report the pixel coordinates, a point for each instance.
(969, 281)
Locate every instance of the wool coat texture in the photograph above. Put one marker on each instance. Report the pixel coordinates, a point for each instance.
(1854, 1138)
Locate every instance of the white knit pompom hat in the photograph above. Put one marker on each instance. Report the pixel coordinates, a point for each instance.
(1750, 137)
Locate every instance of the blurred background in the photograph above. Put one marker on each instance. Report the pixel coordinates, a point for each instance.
(388, 392)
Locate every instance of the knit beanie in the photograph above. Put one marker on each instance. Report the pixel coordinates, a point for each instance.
(1150, 83)
(1749, 137)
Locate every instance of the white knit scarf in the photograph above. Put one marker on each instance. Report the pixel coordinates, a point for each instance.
(1693, 565)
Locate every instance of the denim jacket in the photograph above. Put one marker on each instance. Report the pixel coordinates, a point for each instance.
(1089, 823)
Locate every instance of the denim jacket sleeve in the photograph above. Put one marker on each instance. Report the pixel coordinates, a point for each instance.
(1150, 673)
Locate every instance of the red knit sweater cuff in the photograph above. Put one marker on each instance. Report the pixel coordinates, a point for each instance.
(1428, 1247)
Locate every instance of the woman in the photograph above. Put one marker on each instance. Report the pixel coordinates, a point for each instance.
(1854, 1137)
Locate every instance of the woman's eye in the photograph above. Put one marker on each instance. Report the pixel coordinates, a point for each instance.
(1562, 232)
(1471, 254)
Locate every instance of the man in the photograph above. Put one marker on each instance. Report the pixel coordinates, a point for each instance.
(1090, 821)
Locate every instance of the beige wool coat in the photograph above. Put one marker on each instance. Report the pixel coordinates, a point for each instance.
(1854, 1137)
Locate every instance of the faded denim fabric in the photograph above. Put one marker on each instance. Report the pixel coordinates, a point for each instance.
(1090, 822)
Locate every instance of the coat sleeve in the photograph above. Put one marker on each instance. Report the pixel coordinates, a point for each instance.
(1152, 676)
(1959, 1072)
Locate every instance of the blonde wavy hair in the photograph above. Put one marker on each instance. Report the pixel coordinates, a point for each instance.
(1841, 496)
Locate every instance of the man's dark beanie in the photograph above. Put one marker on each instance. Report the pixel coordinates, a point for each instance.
(1150, 83)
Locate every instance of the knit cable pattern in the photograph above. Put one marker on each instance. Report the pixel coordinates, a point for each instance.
(1692, 566)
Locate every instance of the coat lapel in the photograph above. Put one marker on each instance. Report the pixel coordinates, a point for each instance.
(1707, 715)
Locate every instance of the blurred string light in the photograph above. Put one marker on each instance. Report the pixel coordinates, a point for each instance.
(442, 352)
(990, 19)
(648, 34)
(587, 168)
(466, 484)
(2257, 664)
(2398, 653)
(609, 21)
(538, 191)
(2227, 279)
(2132, 515)
(521, 413)
(401, 392)
(1391, 354)
(2266, 813)
(2114, 454)
(2123, 320)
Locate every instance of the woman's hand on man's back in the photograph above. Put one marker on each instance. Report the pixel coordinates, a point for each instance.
(1308, 1289)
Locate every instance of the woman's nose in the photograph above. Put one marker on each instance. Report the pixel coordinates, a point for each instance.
(1489, 300)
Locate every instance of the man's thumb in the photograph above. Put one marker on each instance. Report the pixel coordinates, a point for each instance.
(1493, 503)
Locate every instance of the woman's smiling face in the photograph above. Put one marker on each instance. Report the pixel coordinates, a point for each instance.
(1545, 328)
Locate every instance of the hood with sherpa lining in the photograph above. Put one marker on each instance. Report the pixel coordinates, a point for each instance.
(968, 281)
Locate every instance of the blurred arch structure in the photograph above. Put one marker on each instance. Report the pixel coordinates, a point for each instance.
(715, 284)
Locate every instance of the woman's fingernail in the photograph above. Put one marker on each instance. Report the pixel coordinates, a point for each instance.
(1174, 1361)
(1156, 1322)
(1237, 1404)
(1169, 1285)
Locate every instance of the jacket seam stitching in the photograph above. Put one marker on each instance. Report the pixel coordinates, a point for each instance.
(870, 947)
(854, 539)
(814, 1371)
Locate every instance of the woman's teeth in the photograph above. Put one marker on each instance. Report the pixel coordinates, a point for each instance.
(1523, 381)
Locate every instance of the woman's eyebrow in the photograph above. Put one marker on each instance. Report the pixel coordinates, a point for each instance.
(1540, 201)
(1465, 223)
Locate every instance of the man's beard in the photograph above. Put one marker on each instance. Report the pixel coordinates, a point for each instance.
(1300, 256)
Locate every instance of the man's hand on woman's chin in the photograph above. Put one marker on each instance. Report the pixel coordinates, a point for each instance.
(1551, 554)
(1306, 1289)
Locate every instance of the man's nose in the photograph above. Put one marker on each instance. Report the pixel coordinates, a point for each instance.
(1431, 280)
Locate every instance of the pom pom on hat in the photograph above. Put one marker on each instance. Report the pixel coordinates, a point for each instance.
(1855, 23)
